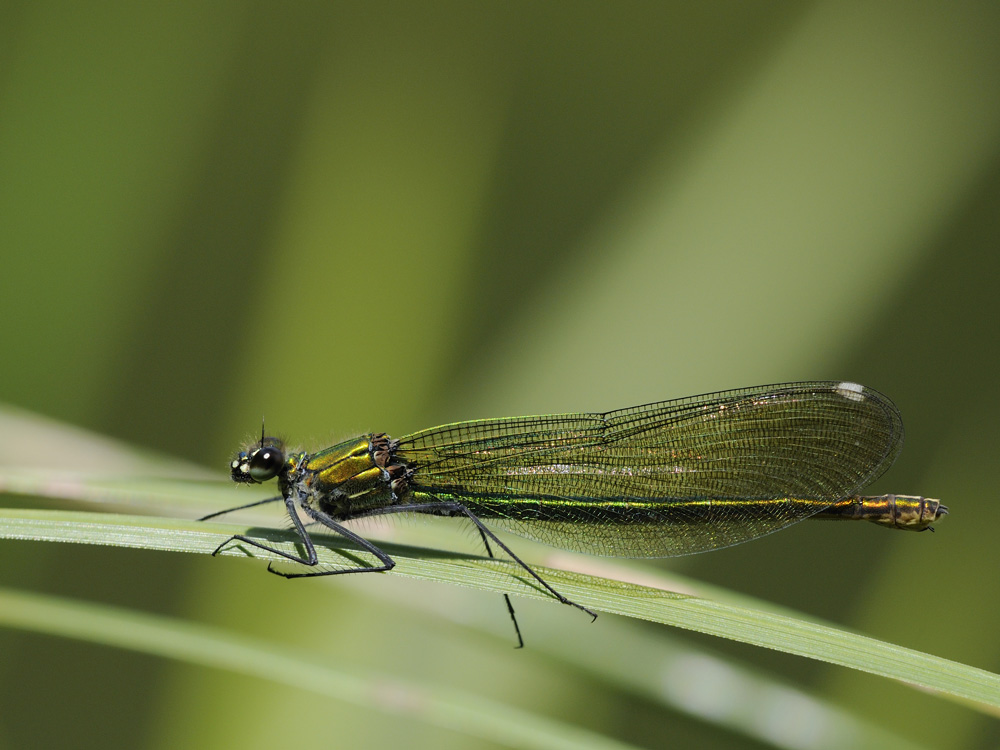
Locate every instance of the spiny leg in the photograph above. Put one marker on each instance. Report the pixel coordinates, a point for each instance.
(387, 562)
(311, 558)
(459, 508)
(240, 507)
(506, 597)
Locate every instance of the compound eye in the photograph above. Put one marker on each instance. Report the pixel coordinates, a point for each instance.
(265, 463)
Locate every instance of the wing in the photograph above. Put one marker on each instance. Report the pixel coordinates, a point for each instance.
(668, 478)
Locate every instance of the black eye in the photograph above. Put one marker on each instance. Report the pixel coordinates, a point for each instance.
(265, 463)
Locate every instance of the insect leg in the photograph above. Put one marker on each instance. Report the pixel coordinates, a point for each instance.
(387, 562)
(506, 597)
(240, 507)
(310, 559)
(453, 507)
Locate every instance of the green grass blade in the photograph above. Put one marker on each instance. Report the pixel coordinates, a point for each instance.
(200, 644)
(663, 664)
(735, 621)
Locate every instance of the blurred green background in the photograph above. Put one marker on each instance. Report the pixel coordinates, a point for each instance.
(381, 216)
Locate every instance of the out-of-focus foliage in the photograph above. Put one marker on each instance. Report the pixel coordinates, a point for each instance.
(383, 216)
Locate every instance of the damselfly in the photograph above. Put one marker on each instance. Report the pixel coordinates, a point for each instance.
(670, 478)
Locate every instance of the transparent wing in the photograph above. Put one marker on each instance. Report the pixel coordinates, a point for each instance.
(668, 478)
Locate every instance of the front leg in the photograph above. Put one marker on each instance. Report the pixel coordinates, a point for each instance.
(387, 562)
(309, 559)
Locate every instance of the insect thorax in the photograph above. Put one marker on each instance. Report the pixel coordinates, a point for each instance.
(348, 479)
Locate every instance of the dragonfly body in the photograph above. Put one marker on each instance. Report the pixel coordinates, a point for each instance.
(670, 478)
(363, 476)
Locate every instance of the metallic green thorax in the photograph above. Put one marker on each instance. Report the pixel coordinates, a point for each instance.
(342, 480)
